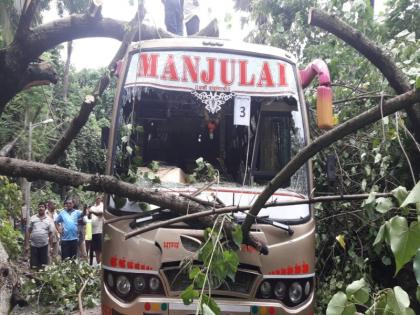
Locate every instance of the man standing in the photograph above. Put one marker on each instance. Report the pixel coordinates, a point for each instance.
(173, 16)
(97, 212)
(39, 235)
(191, 19)
(52, 214)
(68, 218)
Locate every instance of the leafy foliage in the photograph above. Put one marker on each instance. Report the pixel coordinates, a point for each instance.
(11, 239)
(10, 205)
(204, 172)
(220, 263)
(58, 285)
(368, 161)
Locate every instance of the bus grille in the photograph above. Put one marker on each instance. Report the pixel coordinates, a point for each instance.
(178, 281)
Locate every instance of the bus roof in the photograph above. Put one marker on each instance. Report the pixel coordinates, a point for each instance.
(215, 44)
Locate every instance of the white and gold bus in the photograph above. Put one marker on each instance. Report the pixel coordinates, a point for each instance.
(240, 107)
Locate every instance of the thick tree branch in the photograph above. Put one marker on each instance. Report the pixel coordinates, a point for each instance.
(39, 74)
(86, 108)
(15, 58)
(110, 185)
(8, 147)
(373, 53)
(26, 18)
(374, 114)
(99, 183)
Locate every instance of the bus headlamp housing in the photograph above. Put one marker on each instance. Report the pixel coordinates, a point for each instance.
(280, 290)
(139, 283)
(123, 285)
(290, 292)
(295, 292)
(265, 289)
(154, 284)
(128, 286)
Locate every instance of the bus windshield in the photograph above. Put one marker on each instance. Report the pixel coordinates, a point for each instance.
(168, 117)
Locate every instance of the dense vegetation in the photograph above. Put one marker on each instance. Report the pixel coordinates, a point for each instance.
(373, 160)
(364, 249)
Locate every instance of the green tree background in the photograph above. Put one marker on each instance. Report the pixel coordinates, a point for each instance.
(371, 160)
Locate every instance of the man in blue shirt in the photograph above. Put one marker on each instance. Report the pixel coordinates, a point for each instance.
(66, 223)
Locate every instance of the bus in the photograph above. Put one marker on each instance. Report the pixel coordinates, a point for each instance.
(240, 108)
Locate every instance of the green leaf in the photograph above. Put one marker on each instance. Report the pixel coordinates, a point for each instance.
(237, 235)
(418, 293)
(383, 205)
(404, 240)
(194, 272)
(413, 196)
(358, 291)
(418, 83)
(398, 301)
(381, 235)
(211, 303)
(416, 266)
(339, 305)
(231, 261)
(207, 310)
(189, 294)
(400, 193)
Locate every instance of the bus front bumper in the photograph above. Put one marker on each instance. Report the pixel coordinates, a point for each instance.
(174, 306)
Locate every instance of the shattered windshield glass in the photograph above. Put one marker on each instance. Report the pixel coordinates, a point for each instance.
(177, 140)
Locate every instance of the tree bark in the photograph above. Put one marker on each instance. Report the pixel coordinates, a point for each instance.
(8, 282)
(374, 114)
(38, 74)
(67, 70)
(87, 106)
(385, 64)
(31, 43)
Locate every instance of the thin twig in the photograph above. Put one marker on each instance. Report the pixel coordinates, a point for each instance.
(80, 297)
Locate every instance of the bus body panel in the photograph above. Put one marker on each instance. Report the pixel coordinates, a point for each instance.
(159, 253)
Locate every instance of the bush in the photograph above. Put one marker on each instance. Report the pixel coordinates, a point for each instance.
(57, 286)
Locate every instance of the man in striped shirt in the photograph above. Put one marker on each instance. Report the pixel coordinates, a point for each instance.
(39, 236)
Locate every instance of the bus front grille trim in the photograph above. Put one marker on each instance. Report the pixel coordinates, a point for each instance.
(178, 280)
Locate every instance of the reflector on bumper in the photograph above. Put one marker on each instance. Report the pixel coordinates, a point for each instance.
(223, 307)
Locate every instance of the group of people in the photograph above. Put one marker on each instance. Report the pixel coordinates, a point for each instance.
(69, 232)
(179, 11)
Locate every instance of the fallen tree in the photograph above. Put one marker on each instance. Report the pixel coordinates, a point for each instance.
(396, 78)
(182, 204)
(20, 67)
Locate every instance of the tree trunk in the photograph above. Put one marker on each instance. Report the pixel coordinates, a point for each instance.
(67, 70)
(87, 106)
(8, 281)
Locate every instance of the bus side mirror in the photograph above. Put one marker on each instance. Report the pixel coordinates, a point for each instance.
(324, 108)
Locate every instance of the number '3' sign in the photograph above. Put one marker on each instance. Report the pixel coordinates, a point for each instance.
(242, 110)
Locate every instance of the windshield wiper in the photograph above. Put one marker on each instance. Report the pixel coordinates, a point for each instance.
(276, 224)
(153, 215)
(266, 220)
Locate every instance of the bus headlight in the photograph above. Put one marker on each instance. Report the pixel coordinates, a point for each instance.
(110, 280)
(123, 285)
(295, 292)
(280, 290)
(139, 283)
(265, 289)
(154, 284)
(307, 289)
